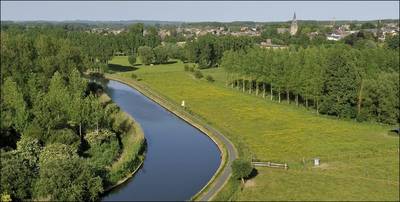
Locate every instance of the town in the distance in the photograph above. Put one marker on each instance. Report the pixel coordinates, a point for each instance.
(270, 34)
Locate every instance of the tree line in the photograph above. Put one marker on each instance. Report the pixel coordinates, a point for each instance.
(208, 50)
(337, 80)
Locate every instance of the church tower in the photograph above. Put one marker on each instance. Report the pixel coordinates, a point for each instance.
(293, 26)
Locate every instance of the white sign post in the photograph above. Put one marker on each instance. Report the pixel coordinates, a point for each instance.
(316, 161)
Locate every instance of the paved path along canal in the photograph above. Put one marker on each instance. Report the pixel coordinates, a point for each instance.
(180, 159)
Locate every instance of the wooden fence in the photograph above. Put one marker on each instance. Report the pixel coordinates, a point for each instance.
(270, 164)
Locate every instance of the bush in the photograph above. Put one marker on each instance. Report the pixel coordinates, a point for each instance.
(65, 136)
(146, 55)
(132, 60)
(186, 67)
(100, 137)
(133, 76)
(191, 69)
(104, 148)
(197, 74)
(209, 78)
(160, 55)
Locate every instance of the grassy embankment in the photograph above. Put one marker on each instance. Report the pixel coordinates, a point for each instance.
(359, 160)
(132, 140)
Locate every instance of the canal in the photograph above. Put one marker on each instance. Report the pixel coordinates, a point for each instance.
(180, 159)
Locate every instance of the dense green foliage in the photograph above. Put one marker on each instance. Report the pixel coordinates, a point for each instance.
(54, 129)
(241, 169)
(161, 55)
(207, 50)
(132, 60)
(66, 177)
(337, 80)
(146, 55)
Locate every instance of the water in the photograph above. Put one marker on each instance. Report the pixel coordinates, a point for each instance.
(180, 159)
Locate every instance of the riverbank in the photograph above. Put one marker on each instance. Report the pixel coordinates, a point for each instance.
(228, 152)
(132, 156)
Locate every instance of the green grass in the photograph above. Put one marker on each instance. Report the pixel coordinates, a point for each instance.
(359, 160)
(120, 60)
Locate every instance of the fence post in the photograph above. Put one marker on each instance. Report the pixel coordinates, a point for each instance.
(285, 166)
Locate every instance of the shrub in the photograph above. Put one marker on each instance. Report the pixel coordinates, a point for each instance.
(132, 60)
(100, 137)
(65, 136)
(160, 55)
(209, 78)
(198, 74)
(133, 76)
(186, 67)
(146, 55)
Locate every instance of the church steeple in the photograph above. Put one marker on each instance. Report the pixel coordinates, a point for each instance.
(293, 26)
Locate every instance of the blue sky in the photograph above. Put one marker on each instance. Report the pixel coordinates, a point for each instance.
(198, 11)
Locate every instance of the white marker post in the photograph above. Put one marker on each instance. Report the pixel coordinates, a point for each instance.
(183, 103)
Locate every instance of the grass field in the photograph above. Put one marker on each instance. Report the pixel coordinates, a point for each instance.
(359, 161)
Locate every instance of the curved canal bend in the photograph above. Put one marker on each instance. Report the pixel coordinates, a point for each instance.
(180, 159)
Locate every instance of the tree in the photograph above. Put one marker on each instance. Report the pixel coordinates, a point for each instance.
(152, 39)
(341, 83)
(173, 50)
(19, 168)
(368, 25)
(16, 176)
(241, 169)
(51, 108)
(28, 150)
(64, 176)
(392, 42)
(65, 136)
(160, 55)
(132, 60)
(382, 98)
(13, 107)
(96, 111)
(146, 55)
(77, 85)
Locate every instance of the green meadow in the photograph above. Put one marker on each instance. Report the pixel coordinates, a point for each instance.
(359, 161)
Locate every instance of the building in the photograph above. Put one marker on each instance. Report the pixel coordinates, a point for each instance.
(268, 45)
(282, 30)
(293, 26)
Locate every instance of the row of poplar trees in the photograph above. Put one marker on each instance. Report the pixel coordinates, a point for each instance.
(337, 80)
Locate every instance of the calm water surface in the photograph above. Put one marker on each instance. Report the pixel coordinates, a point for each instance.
(180, 159)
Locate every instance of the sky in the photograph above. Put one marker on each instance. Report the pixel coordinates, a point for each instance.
(190, 11)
